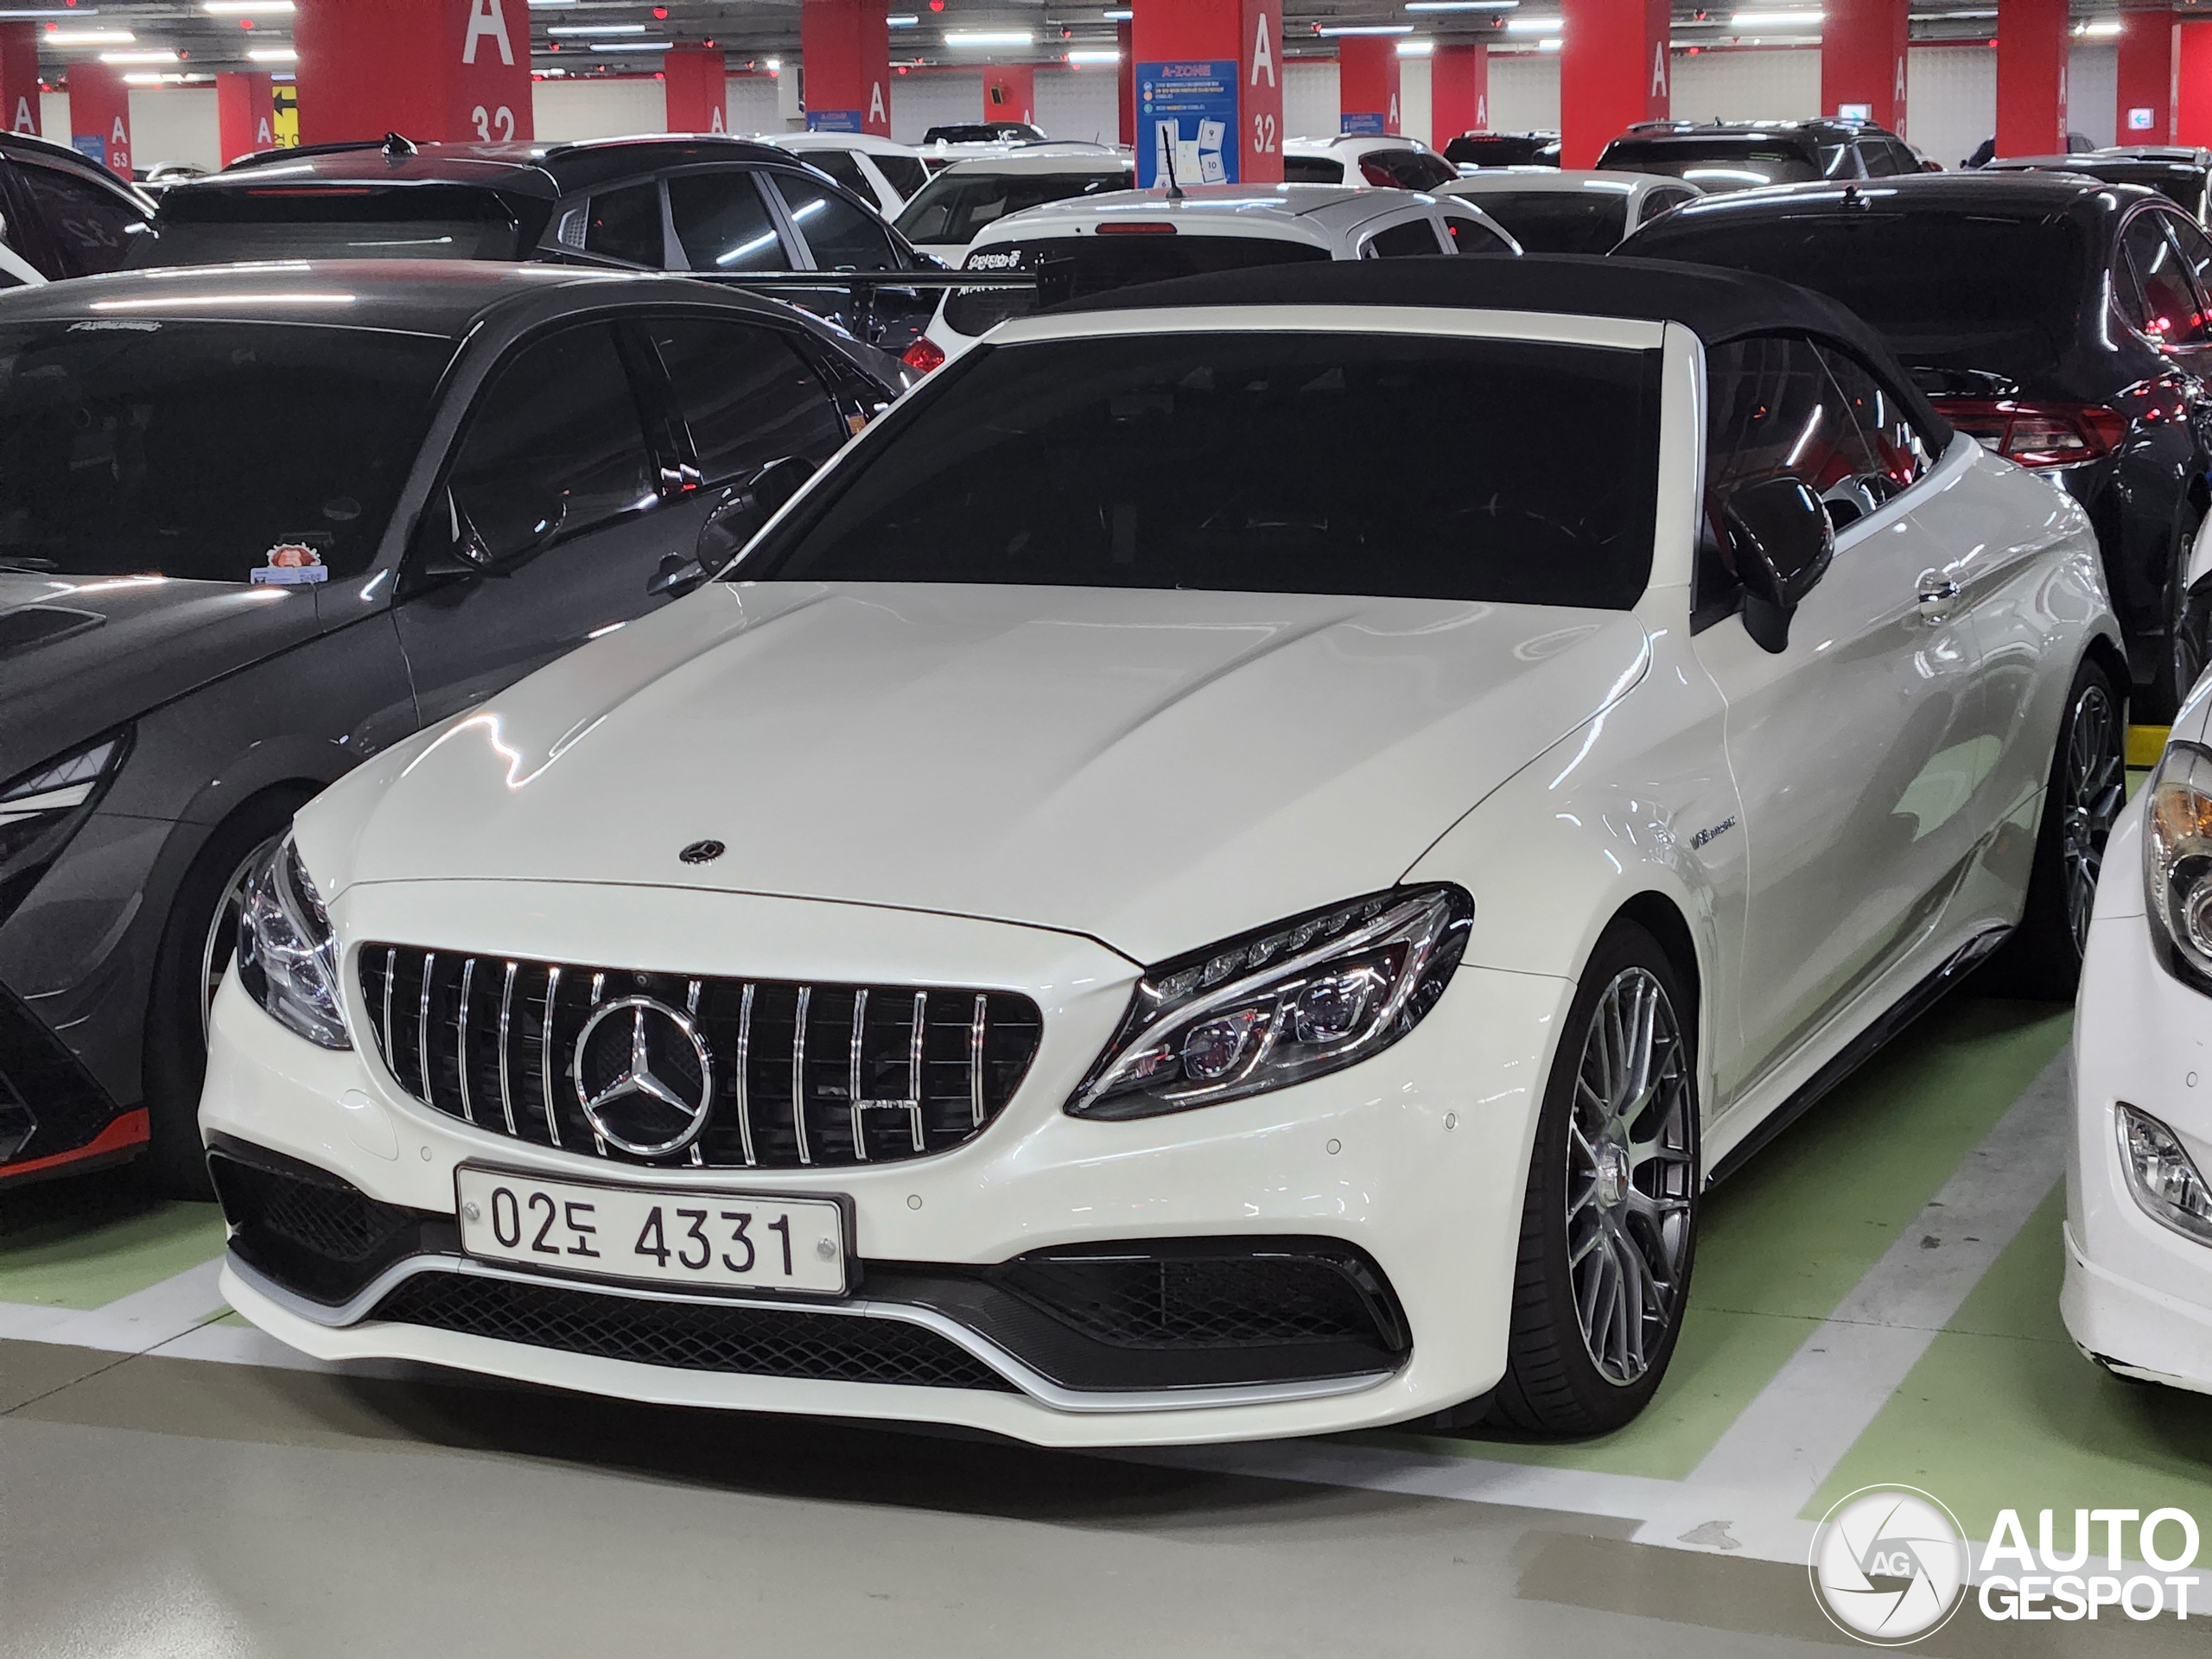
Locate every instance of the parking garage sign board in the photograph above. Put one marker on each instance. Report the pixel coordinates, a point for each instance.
(1192, 104)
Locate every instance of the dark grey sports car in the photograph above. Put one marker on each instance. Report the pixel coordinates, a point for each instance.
(256, 523)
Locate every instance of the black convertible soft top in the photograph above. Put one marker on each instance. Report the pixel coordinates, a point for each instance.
(1715, 305)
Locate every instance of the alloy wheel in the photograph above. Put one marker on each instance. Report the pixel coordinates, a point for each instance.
(1630, 1174)
(222, 940)
(2096, 788)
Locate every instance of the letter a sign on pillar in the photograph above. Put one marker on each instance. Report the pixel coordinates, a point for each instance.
(1260, 117)
(490, 97)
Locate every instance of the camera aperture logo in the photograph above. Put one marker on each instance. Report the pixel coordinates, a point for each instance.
(1890, 1565)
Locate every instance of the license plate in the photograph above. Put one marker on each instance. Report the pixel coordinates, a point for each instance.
(662, 1236)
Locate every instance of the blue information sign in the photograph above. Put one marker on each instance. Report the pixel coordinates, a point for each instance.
(1192, 106)
(92, 144)
(1362, 121)
(835, 121)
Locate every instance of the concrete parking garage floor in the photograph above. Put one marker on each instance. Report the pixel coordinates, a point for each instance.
(1875, 1302)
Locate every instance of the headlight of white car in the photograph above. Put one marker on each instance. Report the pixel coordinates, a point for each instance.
(1288, 1003)
(2177, 860)
(287, 956)
(2160, 1174)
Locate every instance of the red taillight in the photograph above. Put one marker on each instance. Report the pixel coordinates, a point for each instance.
(2037, 435)
(1118, 227)
(924, 355)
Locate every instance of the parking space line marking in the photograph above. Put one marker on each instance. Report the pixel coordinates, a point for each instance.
(1801, 1425)
(131, 1325)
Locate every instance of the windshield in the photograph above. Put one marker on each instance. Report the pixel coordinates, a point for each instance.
(1256, 463)
(1955, 290)
(1092, 265)
(198, 449)
(1715, 163)
(953, 206)
(207, 225)
(1558, 221)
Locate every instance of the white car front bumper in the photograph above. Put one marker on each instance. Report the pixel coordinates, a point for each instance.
(2137, 1295)
(1417, 1157)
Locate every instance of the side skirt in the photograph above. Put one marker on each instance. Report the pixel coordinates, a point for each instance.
(1861, 1048)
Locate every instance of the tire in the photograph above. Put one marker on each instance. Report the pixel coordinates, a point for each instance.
(2189, 631)
(1601, 1281)
(2088, 787)
(197, 943)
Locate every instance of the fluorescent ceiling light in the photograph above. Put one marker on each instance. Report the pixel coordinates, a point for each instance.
(1112, 55)
(633, 45)
(1461, 5)
(272, 55)
(1776, 20)
(85, 37)
(1118, 14)
(902, 19)
(1948, 17)
(2100, 28)
(986, 38)
(1415, 48)
(138, 57)
(45, 14)
(597, 29)
(1549, 44)
(246, 8)
(1532, 25)
(1366, 29)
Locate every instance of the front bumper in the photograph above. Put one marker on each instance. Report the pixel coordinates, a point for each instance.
(2137, 1295)
(1415, 1160)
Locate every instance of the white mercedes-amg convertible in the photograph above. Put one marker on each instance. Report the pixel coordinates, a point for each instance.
(1234, 867)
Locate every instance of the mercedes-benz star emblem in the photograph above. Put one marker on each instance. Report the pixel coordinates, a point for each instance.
(703, 852)
(646, 1082)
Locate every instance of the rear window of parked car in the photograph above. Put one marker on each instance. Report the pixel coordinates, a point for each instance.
(215, 224)
(1255, 463)
(1982, 291)
(1715, 163)
(955, 206)
(1092, 265)
(191, 450)
(1558, 221)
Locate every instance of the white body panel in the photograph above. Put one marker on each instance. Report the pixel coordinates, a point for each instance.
(1558, 765)
(2137, 1295)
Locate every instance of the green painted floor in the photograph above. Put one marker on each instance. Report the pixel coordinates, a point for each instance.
(91, 1241)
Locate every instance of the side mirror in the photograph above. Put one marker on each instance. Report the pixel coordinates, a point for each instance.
(735, 519)
(1782, 540)
(464, 551)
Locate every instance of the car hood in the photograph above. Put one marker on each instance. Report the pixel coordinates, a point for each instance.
(80, 654)
(1152, 769)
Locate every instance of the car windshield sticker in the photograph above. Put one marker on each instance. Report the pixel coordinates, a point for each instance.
(292, 564)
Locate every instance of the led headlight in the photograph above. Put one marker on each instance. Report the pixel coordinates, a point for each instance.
(1310, 995)
(2162, 1176)
(36, 806)
(287, 956)
(2177, 860)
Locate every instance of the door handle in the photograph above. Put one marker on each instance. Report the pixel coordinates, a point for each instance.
(1939, 596)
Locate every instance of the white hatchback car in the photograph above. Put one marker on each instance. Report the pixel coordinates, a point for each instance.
(1566, 210)
(956, 206)
(1098, 243)
(1143, 909)
(1388, 160)
(2137, 1298)
(874, 169)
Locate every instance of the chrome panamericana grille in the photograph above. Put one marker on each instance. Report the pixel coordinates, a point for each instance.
(802, 1074)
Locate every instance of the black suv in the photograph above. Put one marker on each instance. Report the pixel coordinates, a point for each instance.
(1504, 149)
(63, 214)
(682, 202)
(1722, 155)
(2177, 173)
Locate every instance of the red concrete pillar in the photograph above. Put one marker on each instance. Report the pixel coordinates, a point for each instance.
(246, 114)
(2193, 82)
(2031, 43)
(1213, 70)
(99, 116)
(426, 69)
(2147, 47)
(1125, 76)
(695, 80)
(1367, 83)
(846, 46)
(1862, 61)
(1010, 92)
(19, 110)
(1613, 73)
(1459, 92)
